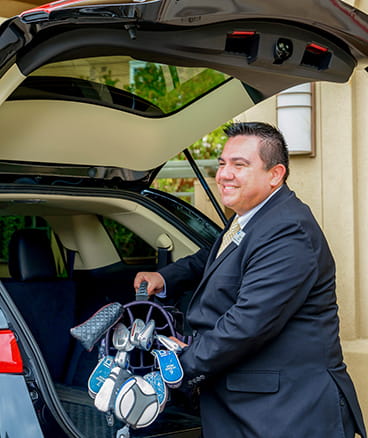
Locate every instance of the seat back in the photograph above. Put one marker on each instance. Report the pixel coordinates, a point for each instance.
(47, 303)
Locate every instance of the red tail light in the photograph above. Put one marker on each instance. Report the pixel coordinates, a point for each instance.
(241, 33)
(316, 48)
(10, 358)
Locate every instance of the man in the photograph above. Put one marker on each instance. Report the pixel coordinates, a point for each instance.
(266, 349)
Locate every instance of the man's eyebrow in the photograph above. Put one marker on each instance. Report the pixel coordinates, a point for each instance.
(234, 159)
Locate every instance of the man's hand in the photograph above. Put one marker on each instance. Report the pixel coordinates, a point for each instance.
(155, 282)
(182, 344)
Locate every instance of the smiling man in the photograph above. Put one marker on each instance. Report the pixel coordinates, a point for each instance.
(266, 351)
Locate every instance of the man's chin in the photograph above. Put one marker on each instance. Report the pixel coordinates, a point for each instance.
(228, 203)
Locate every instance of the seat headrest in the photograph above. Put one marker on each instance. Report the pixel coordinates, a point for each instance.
(30, 255)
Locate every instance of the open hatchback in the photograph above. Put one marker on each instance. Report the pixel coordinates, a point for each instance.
(95, 97)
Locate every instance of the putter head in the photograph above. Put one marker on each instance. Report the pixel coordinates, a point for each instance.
(137, 326)
(146, 336)
(121, 338)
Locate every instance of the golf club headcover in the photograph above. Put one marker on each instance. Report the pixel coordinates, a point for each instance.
(137, 403)
(105, 398)
(155, 380)
(91, 331)
(170, 367)
(99, 375)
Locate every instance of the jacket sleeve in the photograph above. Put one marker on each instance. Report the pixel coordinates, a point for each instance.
(185, 274)
(277, 278)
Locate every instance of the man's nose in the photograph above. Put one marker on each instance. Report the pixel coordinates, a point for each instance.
(225, 172)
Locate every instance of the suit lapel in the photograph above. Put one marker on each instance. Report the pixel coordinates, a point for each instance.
(217, 244)
(213, 262)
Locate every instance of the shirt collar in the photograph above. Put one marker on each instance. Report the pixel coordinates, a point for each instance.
(246, 217)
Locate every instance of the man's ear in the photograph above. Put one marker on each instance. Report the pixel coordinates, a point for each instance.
(277, 175)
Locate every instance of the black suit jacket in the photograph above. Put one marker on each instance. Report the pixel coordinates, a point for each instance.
(265, 317)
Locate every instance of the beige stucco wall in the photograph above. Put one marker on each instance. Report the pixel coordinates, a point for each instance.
(334, 184)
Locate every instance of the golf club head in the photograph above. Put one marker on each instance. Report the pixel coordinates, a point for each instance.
(121, 338)
(146, 336)
(168, 343)
(137, 327)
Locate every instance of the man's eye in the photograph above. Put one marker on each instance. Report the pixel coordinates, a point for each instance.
(220, 164)
(238, 165)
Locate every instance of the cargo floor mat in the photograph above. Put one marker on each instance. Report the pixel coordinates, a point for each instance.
(92, 423)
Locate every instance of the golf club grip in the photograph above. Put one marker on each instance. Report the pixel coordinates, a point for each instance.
(142, 294)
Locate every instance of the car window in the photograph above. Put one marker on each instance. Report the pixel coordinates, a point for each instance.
(146, 88)
(131, 248)
(197, 225)
(9, 224)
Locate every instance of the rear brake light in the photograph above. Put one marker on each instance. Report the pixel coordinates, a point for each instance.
(316, 56)
(241, 33)
(243, 42)
(316, 48)
(10, 357)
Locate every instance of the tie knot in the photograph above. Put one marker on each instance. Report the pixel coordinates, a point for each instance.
(228, 236)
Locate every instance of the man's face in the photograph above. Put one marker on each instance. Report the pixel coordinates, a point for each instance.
(241, 178)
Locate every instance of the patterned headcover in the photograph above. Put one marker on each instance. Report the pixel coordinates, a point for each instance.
(92, 330)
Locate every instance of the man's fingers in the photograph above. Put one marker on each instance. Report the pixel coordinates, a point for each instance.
(155, 282)
(182, 344)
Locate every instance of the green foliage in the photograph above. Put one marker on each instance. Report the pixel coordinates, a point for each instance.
(8, 224)
(102, 75)
(106, 77)
(127, 243)
(175, 185)
(208, 147)
(150, 84)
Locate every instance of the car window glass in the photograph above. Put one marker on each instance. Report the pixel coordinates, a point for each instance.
(143, 87)
(9, 224)
(131, 248)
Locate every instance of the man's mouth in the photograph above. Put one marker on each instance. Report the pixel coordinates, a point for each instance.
(227, 188)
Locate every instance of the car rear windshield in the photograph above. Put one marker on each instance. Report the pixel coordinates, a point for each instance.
(146, 88)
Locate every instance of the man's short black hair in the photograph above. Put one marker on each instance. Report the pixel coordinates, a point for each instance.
(273, 149)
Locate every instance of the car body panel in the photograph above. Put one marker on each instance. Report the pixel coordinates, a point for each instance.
(120, 139)
(48, 34)
(10, 81)
(17, 414)
(329, 15)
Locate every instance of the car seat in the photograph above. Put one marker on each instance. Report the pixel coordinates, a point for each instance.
(47, 303)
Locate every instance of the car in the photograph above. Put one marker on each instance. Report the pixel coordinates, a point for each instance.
(95, 97)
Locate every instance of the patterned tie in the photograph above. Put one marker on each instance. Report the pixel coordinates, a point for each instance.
(228, 236)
